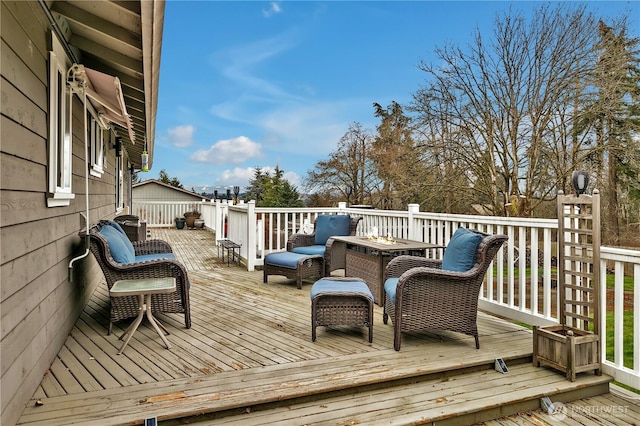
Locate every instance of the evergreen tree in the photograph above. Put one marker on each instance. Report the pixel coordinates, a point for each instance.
(272, 191)
(616, 118)
(173, 181)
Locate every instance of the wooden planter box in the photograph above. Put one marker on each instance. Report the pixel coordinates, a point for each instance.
(570, 350)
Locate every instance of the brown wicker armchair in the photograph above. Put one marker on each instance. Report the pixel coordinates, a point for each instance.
(149, 263)
(334, 257)
(420, 295)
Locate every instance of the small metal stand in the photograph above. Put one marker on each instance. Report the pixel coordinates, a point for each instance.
(230, 247)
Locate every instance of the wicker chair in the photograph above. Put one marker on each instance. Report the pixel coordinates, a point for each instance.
(334, 257)
(153, 267)
(429, 297)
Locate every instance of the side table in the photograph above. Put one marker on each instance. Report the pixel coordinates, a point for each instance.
(143, 288)
(231, 248)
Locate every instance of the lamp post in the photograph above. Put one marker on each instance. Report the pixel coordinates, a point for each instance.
(215, 194)
(228, 194)
(580, 181)
(349, 192)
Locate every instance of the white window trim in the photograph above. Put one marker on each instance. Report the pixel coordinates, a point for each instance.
(96, 138)
(60, 135)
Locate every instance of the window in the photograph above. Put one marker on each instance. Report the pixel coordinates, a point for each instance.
(95, 136)
(60, 98)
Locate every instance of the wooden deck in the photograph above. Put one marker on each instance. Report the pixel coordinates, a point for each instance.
(249, 359)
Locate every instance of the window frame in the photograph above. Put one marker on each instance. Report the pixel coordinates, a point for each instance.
(60, 128)
(96, 138)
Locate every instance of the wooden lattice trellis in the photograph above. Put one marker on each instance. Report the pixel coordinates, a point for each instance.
(579, 260)
(573, 346)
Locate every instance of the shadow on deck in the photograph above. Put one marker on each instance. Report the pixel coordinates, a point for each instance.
(249, 359)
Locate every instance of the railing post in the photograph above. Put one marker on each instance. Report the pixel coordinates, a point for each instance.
(342, 205)
(252, 227)
(219, 221)
(412, 231)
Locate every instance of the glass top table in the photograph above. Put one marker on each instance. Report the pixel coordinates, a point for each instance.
(143, 289)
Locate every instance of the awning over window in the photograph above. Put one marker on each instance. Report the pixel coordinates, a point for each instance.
(106, 96)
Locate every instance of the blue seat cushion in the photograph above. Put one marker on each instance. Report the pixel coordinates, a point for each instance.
(328, 226)
(460, 254)
(285, 259)
(329, 286)
(314, 249)
(155, 256)
(120, 247)
(390, 286)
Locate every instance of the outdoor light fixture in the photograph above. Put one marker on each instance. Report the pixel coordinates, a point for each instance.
(118, 146)
(215, 194)
(580, 180)
(236, 191)
(228, 194)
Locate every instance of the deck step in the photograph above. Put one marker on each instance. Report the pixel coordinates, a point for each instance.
(460, 398)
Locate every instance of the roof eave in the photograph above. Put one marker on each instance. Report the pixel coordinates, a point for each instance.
(152, 22)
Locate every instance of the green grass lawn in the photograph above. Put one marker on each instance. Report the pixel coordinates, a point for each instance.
(627, 281)
(627, 337)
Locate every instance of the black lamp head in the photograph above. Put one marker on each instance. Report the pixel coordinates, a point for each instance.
(580, 181)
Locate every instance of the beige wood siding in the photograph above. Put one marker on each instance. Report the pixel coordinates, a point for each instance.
(154, 192)
(38, 304)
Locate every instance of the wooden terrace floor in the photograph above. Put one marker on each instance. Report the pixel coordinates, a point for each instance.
(249, 359)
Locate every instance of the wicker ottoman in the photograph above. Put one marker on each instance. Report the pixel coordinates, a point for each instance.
(341, 301)
(293, 266)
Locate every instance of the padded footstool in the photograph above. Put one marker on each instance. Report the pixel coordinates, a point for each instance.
(294, 266)
(341, 301)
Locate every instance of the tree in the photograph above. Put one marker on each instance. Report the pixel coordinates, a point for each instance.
(503, 107)
(615, 115)
(272, 191)
(173, 181)
(349, 173)
(256, 186)
(396, 157)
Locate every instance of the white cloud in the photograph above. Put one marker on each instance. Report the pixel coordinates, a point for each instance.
(181, 136)
(228, 151)
(240, 176)
(274, 8)
(236, 176)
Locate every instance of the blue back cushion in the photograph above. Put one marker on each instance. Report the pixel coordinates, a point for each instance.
(328, 226)
(117, 226)
(460, 254)
(120, 247)
(390, 287)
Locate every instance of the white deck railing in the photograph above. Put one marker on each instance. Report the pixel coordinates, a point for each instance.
(529, 298)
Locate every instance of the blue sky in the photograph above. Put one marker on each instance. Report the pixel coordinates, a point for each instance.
(247, 84)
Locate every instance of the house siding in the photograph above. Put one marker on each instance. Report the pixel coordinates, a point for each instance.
(38, 303)
(151, 191)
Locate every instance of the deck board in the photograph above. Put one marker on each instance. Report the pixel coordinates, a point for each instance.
(249, 341)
